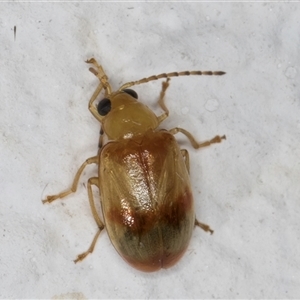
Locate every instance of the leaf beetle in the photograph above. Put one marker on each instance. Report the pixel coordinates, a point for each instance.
(143, 177)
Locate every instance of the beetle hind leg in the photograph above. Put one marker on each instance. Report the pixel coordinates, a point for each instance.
(83, 255)
(186, 158)
(203, 226)
(100, 224)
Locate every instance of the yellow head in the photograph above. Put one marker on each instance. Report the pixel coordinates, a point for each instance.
(122, 116)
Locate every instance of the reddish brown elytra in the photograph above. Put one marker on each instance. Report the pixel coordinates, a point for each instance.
(143, 177)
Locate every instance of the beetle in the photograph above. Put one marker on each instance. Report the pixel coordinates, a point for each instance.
(143, 177)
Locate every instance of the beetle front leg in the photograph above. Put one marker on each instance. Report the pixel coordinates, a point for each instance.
(92, 181)
(195, 144)
(161, 101)
(100, 74)
(51, 198)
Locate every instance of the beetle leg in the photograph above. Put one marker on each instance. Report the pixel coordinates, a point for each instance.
(195, 144)
(92, 181)
(186, 158)
(161, 101)
(100, 143)
(51, 198)
(92, 108)
(203, 226)
(83, 255)
(100, 74)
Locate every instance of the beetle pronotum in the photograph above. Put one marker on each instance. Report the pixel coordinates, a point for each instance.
(143, 177)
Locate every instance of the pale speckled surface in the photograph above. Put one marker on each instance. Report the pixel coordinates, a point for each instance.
(249, 184)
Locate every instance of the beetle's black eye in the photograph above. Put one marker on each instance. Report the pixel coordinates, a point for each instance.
(104, 107)
(131, 93)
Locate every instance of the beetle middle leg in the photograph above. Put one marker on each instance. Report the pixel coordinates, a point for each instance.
(51, 198)
(195, 144)
(92, 181)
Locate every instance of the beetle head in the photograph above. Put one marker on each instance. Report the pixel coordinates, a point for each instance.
(122, 116)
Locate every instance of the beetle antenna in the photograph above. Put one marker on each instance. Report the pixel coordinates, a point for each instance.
(167, 75)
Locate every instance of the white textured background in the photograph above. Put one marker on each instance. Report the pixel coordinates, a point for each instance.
(249, 184)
